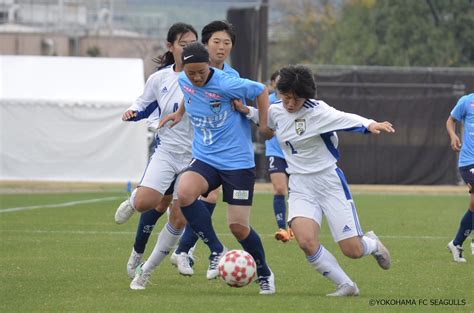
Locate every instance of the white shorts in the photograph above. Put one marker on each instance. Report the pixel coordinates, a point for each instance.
(325, 192)
(162, 169)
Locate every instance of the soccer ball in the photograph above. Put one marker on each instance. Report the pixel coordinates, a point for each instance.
(237, 268)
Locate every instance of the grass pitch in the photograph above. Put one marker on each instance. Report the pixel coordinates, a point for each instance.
(61, 254)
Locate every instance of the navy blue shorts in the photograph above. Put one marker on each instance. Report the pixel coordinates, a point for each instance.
(276, 165)
(237, 185)
(467, 174)
(170, 189)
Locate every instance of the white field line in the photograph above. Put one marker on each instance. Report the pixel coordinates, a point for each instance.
(58, 205)
(81, 232)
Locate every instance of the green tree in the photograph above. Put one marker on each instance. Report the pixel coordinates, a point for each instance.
(379, 32)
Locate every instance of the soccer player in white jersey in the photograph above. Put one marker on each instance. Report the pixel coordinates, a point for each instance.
(304, 128)
(161, 96)
(222, 155)
(219, 38)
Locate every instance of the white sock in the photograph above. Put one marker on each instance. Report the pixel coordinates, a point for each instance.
(370, 245)
(167, 239)
(326, 264)
(132, 198)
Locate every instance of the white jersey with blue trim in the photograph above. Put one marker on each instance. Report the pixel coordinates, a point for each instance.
(307, 137)
(161, 97)
(222, 136)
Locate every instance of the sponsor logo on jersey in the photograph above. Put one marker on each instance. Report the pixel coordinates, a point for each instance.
(346, 229)
(164, 90)
(212, 95)
(241, 195)
(300, 126)
(215, 106)
(189, 89)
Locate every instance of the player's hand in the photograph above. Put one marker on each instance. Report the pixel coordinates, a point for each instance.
(175, 118)
(267, 132)
(238, 105)
(376, 127)
(128, 115)
(456, 144)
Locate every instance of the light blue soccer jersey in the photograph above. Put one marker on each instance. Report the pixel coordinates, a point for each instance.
(272, 148)
(222, 136)
(464, 111)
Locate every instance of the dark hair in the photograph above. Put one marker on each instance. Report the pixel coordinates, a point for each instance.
(297, 79)
(274, 75)
(195, 52)
(175, 32)
(217, 26)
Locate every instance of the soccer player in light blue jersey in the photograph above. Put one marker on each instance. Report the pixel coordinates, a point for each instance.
(222, 155)
(304, 128)
(463, 112)
(219, 38)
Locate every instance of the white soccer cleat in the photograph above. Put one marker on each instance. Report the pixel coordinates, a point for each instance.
(184, 264)
(174, 258)
(134, 261)
(213, 269)
(124, 212)
(345, 290)
(472, 246)
(140, 280)
(382, 256)
(457, 252)
(267, 284)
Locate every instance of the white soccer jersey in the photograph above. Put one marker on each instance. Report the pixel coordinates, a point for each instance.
(161, 97)
(307, 137)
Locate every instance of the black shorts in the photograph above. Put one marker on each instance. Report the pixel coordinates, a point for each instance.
(467, 174)
(237, 185)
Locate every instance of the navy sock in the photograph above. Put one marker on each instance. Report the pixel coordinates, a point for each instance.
(199, 219)
(279, 207)
(189, 238)
(465, 228)
(144, 229)
(253, 245)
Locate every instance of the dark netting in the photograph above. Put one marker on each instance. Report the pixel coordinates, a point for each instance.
(416, 101)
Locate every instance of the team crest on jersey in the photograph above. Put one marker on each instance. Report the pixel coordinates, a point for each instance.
(300, 126)
(215, 106)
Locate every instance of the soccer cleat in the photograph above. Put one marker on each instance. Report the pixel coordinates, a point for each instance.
(282, 235)
(140, 280)
(382, 256)
(472, 246)
(174, 258)
(457, 252)
(345, 290)
(213, 269)
(134, 261)
(267, 284)
(124, 212)
(183, 263)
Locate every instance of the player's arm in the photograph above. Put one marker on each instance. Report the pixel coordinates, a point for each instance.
(451, 128)
(263, 105)
(174, 117)
(330, 119)
(250, 112)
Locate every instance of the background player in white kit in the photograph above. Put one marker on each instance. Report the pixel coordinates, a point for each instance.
(304, 128)
(162, 96)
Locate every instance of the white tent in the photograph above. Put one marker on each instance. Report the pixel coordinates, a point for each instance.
(60, 119)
